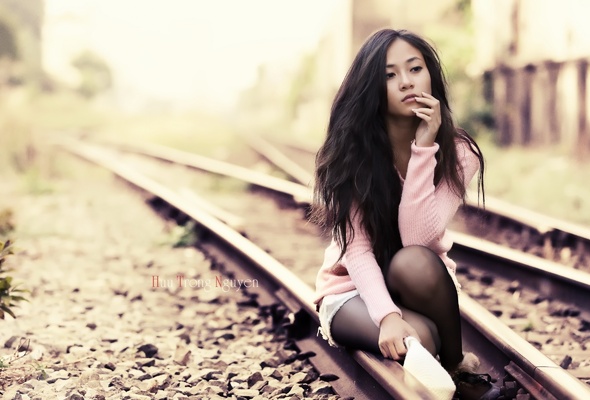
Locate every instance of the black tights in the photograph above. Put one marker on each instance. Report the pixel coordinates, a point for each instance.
(420, 285)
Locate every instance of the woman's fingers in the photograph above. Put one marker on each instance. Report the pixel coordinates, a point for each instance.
(425, 115)
(430, 116)
(395, 350)
(401, 348)
(423, 111)
(393, 330)
(385, 350)
(427, 99)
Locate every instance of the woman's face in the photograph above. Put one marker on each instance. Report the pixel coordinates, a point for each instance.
(407, 76)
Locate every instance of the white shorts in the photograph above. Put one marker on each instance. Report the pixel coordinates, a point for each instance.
(329, 307)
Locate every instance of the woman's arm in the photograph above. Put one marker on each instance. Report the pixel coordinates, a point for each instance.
(367, 275)
(425, 211)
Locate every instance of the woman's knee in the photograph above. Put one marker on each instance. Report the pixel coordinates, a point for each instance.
(415, 266)
(352, 326)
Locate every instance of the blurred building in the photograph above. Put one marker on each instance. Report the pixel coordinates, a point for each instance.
(534, 55)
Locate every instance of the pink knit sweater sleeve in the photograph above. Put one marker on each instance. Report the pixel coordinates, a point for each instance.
(426, 210)
(366, 274)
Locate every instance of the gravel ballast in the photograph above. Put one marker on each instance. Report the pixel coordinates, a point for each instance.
(107, 319)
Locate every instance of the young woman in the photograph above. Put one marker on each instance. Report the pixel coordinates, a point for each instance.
(390, 176)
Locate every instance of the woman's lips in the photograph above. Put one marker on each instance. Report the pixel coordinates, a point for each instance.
(408, 98)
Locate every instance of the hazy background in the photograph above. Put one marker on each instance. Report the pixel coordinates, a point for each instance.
(181, 54)
(194, 73)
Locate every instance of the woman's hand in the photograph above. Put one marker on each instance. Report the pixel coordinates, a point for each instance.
(431, 119)
(392, 332)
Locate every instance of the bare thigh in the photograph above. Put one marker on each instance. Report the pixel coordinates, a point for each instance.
(353, 327)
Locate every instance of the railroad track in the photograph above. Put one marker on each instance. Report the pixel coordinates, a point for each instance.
(504, 354)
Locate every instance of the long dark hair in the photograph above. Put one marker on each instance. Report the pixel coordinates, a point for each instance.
(355, 166)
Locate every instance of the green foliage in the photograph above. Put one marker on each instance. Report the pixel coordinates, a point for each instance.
(567, 197)
(35, 183)
(40, 371)
(95, 74)
(529, 327)
(185, 235)
(302, 84)
(24, 147)
(6, 222)
(7, 44)
(9, 294)
(453, 38)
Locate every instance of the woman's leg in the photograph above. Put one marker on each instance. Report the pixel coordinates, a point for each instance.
(419, 278)
(353, 327)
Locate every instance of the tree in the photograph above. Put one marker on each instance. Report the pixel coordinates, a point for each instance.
(95, 74)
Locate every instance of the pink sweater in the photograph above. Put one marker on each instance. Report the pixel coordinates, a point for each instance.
(424, 213)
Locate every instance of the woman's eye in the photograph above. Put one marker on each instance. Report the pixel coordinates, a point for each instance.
(416, 69)
(390, 75)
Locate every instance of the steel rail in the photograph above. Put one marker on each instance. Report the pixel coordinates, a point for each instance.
(543, 379)
(390, 376)
(298, 145)
(545, 277)
(278, 158)
(542, 223)
(299, 193)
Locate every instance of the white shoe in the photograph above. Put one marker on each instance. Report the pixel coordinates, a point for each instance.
(425, 368)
